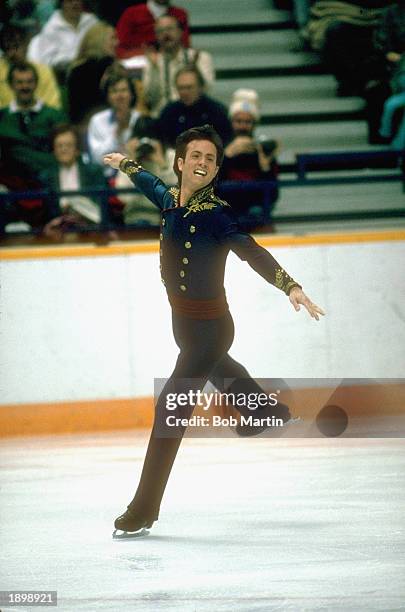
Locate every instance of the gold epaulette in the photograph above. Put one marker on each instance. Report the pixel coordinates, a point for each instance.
(219, 201)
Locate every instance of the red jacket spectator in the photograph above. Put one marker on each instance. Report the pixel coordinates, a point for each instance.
(136, 28)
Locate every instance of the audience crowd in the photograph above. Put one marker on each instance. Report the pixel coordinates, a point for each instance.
(80, 79)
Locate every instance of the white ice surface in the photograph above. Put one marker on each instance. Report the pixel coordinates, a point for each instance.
(246, 525)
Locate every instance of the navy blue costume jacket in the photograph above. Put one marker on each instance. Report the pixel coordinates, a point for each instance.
(195, 240)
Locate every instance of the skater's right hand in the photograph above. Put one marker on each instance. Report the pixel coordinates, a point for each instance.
(113, 160)
(297, 297)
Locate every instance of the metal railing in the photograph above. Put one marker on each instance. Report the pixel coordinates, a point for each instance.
(268, 191)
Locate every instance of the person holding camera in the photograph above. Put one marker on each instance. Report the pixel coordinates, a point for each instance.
(248, 158)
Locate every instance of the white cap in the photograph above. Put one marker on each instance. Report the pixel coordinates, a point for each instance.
(246, 101)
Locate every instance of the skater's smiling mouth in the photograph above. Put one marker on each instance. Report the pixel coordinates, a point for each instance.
(200, 172)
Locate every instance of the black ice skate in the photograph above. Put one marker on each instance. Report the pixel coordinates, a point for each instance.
(130, 525)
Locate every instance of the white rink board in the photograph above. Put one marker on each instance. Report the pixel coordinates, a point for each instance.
(100, 328)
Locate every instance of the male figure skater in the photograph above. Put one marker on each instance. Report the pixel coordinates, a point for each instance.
(197, 232)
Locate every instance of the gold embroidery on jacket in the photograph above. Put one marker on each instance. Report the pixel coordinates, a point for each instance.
(198, 207)
(200, 201)
(175, 192)
(279, 278)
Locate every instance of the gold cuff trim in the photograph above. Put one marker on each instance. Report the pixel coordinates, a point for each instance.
(129, 166)
(284, 282)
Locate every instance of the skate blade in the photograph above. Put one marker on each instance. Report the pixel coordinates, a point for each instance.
(118, 534)
(293, 421)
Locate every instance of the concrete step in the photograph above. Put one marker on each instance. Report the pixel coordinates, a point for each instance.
(318, 227)
(214, 12)
(341, 198)
(281, 96)
(332, 199)
(261, 50)
(306, 138)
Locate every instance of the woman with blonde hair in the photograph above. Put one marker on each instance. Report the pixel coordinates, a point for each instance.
(94, 60)
(99, 41)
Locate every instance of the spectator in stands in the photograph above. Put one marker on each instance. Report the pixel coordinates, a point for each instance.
(136, 27)
(393, 121)
(390, 38)
(58, 42)
(248, 158)
(302, 13)
(193, 108)
(162, 65)
(14, 44)
(69, 172)
(95, 60)
(388, 75)
(343, 32)
(25, 128)
(110, 129)
(112, 11)
(152, 156)
(43, 10)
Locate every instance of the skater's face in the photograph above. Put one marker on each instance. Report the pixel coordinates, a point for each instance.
(199, 166)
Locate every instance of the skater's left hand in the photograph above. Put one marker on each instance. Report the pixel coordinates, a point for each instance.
(297, 297)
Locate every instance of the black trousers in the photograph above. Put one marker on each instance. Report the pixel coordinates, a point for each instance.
(204, 346)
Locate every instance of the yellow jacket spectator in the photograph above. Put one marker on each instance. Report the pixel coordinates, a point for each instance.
(14, 43)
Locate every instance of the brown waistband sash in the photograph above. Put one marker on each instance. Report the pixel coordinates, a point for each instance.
(199, 309)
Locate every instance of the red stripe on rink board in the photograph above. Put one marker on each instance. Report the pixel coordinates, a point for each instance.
(359, 401)
(68, 251)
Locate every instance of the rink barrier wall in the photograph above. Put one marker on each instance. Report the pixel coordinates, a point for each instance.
(26, 253)
(135, 409)
(363, 403)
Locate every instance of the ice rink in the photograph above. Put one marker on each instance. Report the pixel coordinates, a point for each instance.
(245, 525)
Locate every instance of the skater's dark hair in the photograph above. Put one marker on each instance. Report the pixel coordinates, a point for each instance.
(204, 132)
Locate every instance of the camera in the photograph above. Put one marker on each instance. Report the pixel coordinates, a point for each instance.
(269, 146)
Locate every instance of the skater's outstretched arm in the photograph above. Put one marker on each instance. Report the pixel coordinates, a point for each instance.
(247, 249)
(149, 184)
